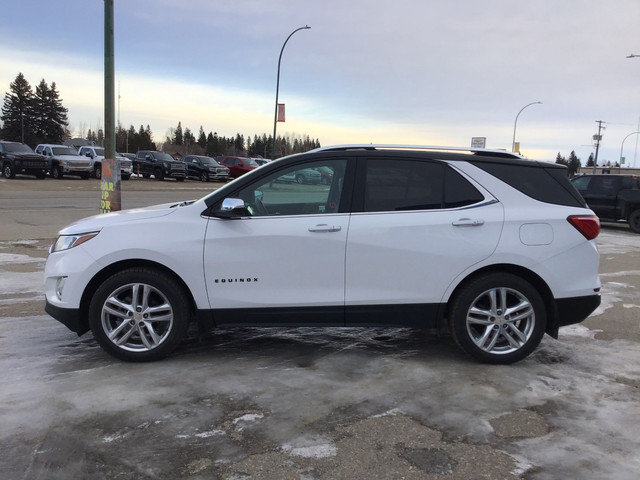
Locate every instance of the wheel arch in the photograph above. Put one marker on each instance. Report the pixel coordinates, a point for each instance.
(534, 279)
(106, 272)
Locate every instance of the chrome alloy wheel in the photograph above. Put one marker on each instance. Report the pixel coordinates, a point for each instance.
(137, 317)
(500, 320)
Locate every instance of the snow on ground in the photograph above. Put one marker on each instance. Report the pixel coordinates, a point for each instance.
(305, 398)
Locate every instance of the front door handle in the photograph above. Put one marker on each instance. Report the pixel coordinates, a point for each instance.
(323, 227)
(467, 222)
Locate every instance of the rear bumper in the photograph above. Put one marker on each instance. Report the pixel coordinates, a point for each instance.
(575, 309)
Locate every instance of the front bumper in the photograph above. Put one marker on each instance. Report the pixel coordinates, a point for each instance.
(69, 317)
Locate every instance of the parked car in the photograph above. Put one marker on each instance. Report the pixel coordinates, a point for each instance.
(96, 154)
(205, 168)
(485, 245)
(64, 160)
(612, 197)
(238, 166)
(261, 161)
(18, 158)
(161, 165)
(303, 176)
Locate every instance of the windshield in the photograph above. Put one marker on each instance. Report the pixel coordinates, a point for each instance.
(99, 151)
(208, 161)
(64, 151)
(250, 161)
(165, 157)
(17, 147)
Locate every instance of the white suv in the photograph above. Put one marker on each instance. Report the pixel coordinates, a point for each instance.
(495, 249)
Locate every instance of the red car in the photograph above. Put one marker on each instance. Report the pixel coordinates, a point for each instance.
(238, 165)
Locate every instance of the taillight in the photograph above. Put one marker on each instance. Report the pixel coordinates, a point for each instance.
(587, 225)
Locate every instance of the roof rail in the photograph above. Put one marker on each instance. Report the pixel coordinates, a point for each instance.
(384, 146)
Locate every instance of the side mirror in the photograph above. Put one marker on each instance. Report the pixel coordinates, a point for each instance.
(231, 208)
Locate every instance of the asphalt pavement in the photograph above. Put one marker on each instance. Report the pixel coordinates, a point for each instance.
(303, 403)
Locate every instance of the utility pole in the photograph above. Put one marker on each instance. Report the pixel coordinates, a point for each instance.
(110, 193)
(597, 138)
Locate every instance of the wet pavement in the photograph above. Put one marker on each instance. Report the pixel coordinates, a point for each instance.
(315, 403)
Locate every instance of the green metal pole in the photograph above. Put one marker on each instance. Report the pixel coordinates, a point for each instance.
(110, 193)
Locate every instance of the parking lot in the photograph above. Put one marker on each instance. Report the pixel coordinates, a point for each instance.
(303, 403)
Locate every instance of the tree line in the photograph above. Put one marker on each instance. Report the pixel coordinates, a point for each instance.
(34, 117)
(573, 164)
(212, 144)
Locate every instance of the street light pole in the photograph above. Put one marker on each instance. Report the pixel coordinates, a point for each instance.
(275, 115)
(513, 142)
(622, 146)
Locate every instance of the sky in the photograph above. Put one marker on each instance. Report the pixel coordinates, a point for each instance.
(418, 72)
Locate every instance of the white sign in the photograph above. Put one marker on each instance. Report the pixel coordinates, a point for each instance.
(478, 142)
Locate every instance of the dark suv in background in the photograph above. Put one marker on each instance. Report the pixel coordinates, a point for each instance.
(18, 158)
(205, 168)
(161, 165)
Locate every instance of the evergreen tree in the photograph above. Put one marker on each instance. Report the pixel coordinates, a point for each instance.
(561, 160)
(590, 161)
(209, 148)
(574, 164)
(50, 116)
(17, 112)
(177, 136)
(202, 138)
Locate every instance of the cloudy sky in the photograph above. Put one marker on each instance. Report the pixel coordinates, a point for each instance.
(405, 71)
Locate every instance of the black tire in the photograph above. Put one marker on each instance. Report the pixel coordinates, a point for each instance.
(41, 175)
(180, 179)
(634, 220)
(146, 175)
(57, 173)
(97, 172)
(486, 329)
(158, 174)
(142, 309)
(126, 177)
(204, 177)
(8, 171)
(85, 176)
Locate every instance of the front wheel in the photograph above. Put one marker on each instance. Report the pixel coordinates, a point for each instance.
(8, 171)
(56, 172)
(97, 172)
(634, 220)
(139, 314)
(498, 318)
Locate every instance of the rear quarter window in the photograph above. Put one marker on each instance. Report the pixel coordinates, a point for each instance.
(549, 185)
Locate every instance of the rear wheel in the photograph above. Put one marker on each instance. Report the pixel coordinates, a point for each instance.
(204, 176)
(634, 220)
(498, 318)
(125, 177)
(158, 174)
(139, 314)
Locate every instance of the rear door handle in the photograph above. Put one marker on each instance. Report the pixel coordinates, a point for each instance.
(323, 227)
(467, 222)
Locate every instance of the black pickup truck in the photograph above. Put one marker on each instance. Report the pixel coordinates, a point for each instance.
(159, 164)
(612, 197)
(19, 158)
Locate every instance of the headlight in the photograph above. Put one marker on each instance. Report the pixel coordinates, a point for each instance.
(65, 242)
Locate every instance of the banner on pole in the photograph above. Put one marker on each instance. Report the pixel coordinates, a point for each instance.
(281, 112)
